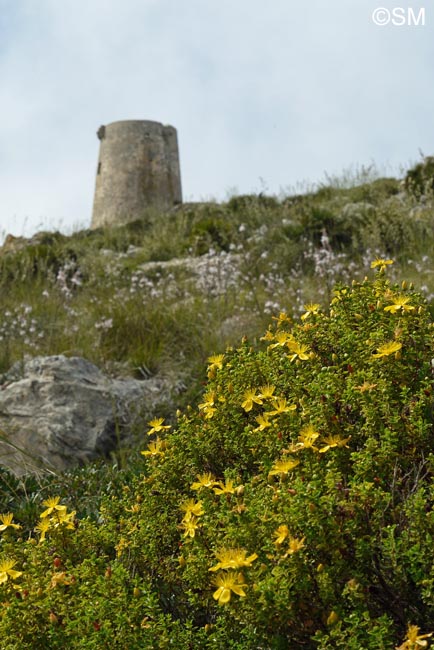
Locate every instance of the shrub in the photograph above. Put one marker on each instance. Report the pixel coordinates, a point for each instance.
(247, 202)
(419, 180)
(292, 508)
(212, 230)
(321, 220)
(377, 190)
(396, 234)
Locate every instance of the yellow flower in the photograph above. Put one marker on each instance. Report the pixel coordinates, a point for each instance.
(387, 348)
(283, 467)
(233, 558)
(281, 534)
(157, 425)
(268, 336)
(155, 448)
(203, 480)
(295, 544)
(266, 392)
(334, 441)
(414, 640)
(121, 546)
(6, 571)
(282, 339)
(7, 522)
(192, 509)
(382, 263)
(400, 304)
(281, 318)
(225, 488)
(190, 526)
(311, 310)
(280, 406)
(263, 422)
(42, 528)
(61, 578)
(134, 508)
(209, 400)
(307, 437)
(207, 406)
(339, 295)
(249, 398)
(366, 386)
(216, 361)
(226, 583)
(52, 506)
(299, 351)
(61, 518)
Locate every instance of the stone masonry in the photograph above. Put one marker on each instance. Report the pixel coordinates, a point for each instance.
(138, 167)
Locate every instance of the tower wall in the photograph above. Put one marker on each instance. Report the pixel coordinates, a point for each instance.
(138, 166)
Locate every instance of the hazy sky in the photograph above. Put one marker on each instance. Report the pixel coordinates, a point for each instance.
(264, 94)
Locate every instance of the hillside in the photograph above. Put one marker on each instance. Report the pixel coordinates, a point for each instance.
(294, 458)
(161, 294)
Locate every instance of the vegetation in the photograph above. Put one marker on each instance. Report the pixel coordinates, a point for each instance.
(289, 502)
(116, 297)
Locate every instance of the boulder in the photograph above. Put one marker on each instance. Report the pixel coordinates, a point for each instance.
(57, 412)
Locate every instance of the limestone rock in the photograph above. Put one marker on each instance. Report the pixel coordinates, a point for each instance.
(57, 412)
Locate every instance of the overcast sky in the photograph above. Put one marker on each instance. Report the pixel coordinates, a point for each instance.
(265, 94)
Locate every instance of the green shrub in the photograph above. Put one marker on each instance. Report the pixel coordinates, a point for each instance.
(292, 508)
(30, 262)
(319, 221)
(246, 202)
(377, 190)
(419, 180)
(212, 230)
(390, 229)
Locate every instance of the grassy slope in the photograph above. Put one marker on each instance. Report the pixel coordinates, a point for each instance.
(112, 296)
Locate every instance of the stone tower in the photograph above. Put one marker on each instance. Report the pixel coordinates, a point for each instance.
(138, 166)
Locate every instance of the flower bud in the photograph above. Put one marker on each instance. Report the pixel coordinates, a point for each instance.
(332, 618)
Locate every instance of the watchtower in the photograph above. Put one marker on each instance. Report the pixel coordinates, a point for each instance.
(138, 166)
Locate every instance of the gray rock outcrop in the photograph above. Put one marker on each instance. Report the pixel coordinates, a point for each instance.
(57, 412)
